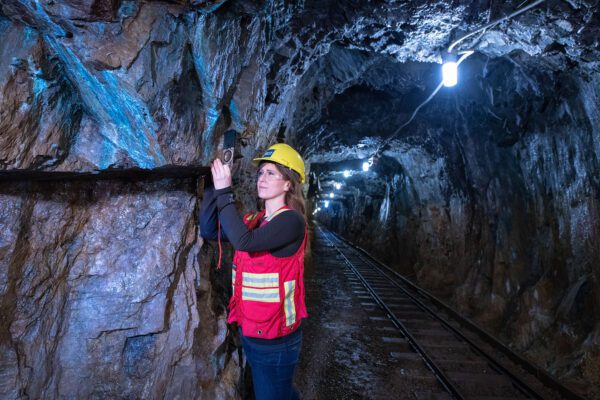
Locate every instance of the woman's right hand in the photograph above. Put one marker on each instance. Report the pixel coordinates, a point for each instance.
(221, 174)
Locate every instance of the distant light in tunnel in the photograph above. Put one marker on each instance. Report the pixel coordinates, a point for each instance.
(365, 166)
(338, 186)
(450, 73)
(346, 174)
(326, 203)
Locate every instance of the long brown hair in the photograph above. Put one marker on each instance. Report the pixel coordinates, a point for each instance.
(294, 197)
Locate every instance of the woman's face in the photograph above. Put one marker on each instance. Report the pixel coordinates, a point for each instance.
(270, 183)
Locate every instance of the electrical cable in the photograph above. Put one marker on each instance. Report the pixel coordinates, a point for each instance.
(494, 23)
(465, 54)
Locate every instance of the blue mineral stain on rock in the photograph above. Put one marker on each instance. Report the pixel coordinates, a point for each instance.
(31, 35)
(54, 29)
(128, 8)
(105, 153)
(125, 119)
(208, 91)
(39, 83)
(138, 355)
(236, 122)
(212, 8)
(128, 121)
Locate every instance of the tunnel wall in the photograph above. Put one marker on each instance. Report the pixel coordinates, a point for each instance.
(106, 288)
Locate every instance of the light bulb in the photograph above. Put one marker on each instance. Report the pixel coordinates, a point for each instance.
(450, 73)
(326, 203)
(346, 173)
(338, 186)
(331, 195)
(365, 166)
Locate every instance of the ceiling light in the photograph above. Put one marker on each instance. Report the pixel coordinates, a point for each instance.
(367, 164)
(331, 195)
(326, 203)
(450, 71)
(346, 174)
(338, 186)
(450, 64)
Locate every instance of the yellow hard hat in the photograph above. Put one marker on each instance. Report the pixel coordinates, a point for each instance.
(285, 155)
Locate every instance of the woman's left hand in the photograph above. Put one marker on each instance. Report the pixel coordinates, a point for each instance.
(221, 174)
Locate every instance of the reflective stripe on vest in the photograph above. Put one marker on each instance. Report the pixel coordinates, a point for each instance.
(264, 295)
(233, 268)
(288, 302)
(250, 217)
(260, 280)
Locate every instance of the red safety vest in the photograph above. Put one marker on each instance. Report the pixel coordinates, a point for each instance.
(268, 291)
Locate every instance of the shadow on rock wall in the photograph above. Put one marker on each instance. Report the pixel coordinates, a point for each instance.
(101, 282)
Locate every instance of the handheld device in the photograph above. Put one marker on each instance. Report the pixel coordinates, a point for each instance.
(228, 147)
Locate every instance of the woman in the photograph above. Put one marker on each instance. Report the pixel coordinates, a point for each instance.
(268, 266)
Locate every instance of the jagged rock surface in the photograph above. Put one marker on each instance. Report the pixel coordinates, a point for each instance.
(490, 197)
(98, 284)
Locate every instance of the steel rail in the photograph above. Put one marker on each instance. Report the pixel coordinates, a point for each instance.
(437, 371)
(518, 383)
(540, 374)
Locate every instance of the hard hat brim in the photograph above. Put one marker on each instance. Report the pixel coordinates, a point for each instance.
(256, 162)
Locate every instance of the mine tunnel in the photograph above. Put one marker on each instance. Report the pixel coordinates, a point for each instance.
(450, 155)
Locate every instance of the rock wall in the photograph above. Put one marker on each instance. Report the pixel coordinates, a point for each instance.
(97, 281)
(134, 91)
(105, 282)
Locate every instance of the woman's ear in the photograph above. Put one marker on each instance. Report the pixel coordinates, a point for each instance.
(287, 186)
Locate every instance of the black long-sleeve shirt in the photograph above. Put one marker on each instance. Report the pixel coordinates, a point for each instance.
(282, 236)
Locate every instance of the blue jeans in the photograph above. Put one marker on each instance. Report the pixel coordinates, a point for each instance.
(273, 363)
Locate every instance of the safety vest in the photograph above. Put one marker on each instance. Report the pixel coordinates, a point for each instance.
(268, 291)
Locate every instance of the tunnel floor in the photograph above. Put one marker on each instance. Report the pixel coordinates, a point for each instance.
(350, 348)
(353, 350)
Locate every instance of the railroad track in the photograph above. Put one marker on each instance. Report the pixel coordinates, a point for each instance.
(466, 361)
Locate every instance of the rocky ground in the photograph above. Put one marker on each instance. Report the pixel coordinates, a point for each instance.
(348, 346)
